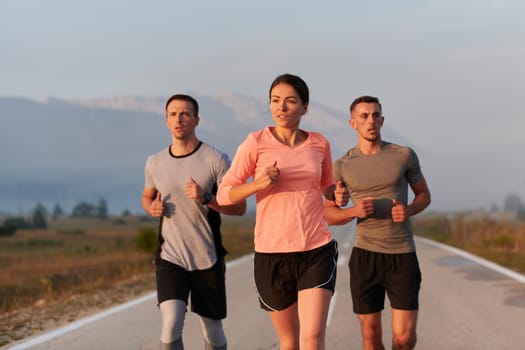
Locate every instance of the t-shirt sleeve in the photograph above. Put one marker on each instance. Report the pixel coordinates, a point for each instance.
(223, 164)
(337, 170)
(413, 173)
(148, 178)
(327, 178)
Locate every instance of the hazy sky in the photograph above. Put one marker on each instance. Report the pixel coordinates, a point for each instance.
(450, 73)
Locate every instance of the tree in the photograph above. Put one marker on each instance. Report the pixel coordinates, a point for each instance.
(102, 210)
(7, 230)
(83, 210)
(494, 208)
(39, 217)
(57, 211)
(512, 203)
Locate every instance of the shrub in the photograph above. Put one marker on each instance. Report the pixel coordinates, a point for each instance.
(119, 221)
(11, 225)
(146, 240)
(7, 230)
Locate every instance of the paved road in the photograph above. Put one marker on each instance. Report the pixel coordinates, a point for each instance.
(465, 304)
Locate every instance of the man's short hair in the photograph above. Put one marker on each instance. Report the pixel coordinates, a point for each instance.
(365, 99)
(187, 98)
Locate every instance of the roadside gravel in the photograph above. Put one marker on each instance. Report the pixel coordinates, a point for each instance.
(45, 315)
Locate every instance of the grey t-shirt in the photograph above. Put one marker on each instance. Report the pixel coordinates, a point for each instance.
(189, 229)
(385, 176)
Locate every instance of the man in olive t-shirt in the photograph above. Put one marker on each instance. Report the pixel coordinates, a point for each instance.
(377, 175)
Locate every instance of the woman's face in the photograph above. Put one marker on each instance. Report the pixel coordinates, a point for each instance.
(286, 106)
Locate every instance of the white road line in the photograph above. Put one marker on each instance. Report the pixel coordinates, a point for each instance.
(80, 323)
(85, 321)
(331, 309)
(503, 270)
(342, 261)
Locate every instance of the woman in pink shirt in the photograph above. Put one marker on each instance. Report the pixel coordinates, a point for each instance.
(295, 255)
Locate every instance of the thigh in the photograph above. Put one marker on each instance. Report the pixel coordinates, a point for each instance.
(313, 305)
(366, 281)
(286, 325)
(173, 282)
(403, 281)
(404, 321)
(208, 291)
(371, 322)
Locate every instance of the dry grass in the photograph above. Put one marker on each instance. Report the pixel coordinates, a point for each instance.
(496, 237)
(54, 276)
(48, 264)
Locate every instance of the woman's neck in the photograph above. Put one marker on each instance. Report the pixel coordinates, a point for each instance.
(289, 137)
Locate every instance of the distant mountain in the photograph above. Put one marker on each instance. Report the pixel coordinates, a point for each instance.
(67, 151)
(58, 151)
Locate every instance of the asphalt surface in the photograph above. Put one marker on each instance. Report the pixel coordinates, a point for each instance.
(466, 303)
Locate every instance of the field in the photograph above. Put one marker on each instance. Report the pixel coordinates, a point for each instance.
(497, 237)
(78, 264)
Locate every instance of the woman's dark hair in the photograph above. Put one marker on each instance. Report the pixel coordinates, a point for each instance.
(294, 81)
(187, 98)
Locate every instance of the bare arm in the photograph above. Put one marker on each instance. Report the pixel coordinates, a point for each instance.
(335, 215)
(339, 216)
(421, 197)
(234, 209)
(400, 212)
(151, 202)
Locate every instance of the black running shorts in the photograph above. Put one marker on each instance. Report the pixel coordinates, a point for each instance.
(207, 287)
(372, 274)
(279, 276)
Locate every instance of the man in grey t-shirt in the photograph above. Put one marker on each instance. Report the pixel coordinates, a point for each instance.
(377, 174)
(180, 185)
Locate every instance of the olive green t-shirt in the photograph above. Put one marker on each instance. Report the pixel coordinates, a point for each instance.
(384, 176)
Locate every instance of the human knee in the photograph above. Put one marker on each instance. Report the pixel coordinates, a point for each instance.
(312, 340)
(405, 341)
(372, 334)
(288, 341)
(213, 332)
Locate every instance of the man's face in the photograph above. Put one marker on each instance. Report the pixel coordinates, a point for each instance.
(367, 120)
(181, 119)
